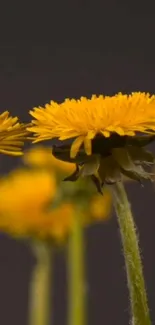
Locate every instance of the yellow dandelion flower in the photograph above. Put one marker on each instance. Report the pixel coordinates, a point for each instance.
(42, 157)
(12, 135)
(100, 134)
(26, 206)
(84, 119)
(50, 225)
(24, 192)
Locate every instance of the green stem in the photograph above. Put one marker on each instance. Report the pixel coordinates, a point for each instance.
(76, 275)
(136, 285)
(39, 299)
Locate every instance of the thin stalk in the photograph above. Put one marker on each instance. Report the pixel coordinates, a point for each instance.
(135, 279)
(39, 297)
(76, 275)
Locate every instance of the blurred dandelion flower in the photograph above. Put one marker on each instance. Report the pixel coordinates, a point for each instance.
(26, 206)
(28, 209)
(36, 206)
(58, 224)
(34, 202)
(12, 135)
(100, 206)
(100, 135)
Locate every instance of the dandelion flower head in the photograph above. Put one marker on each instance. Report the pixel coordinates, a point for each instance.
(12, 135)
(26, 206)
(84, 119)
(26, 191)
(100, 135)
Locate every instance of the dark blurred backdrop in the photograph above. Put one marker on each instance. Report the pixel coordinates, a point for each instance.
(59, 49)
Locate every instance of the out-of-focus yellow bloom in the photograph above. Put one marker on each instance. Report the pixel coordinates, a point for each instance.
(26, 206)
(100, 206)
(25, 191)
(50, 225)
(35, 204)
(12, 135)
(42, 157)
(97, 209)
(57, 223)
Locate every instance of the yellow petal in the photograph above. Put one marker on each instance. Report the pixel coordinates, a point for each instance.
(119, 130)
(87, 146)
(106, 134)
(76, 146)
(116, 129)
(12, 153)
(91, 134)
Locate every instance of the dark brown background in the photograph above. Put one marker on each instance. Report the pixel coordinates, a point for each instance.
(68, 49)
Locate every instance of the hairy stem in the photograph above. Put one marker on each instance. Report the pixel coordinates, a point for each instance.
(136, 285)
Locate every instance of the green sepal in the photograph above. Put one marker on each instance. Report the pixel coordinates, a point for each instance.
(97, 182)
(74, 176)
(137, 174)
(122, 157)
(109, 170)
(91, 166)
(126, 163)
(140, 141)
(141, 156)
